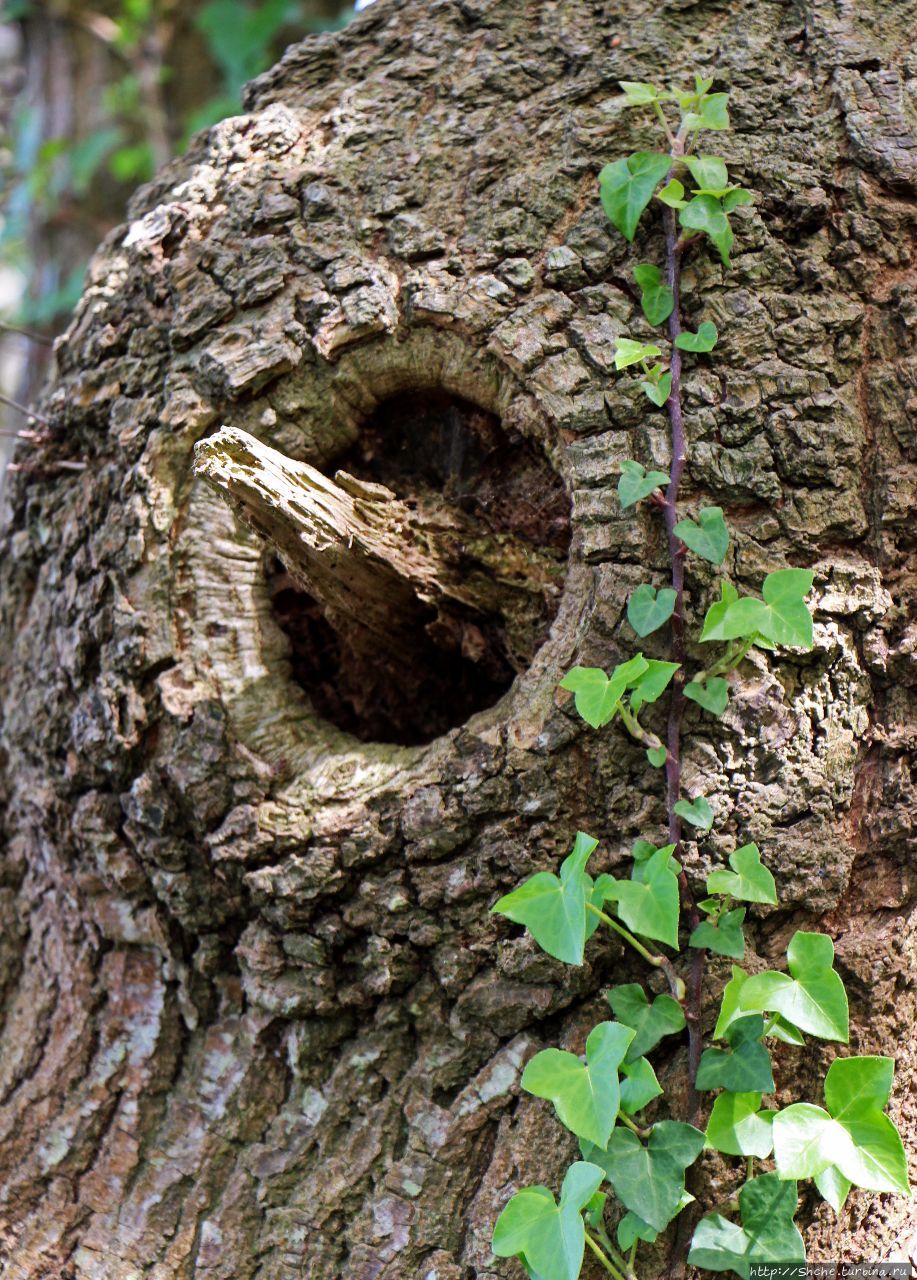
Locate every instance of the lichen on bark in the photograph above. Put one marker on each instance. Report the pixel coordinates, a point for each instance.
(258, 1021)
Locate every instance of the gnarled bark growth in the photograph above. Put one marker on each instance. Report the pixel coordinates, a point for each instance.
(257, 1019)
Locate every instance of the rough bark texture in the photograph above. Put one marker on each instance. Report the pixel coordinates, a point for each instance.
(258, 1021)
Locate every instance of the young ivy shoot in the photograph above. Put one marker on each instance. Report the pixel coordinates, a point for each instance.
(601, 1096)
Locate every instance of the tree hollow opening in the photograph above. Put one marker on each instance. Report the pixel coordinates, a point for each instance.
(494, 515)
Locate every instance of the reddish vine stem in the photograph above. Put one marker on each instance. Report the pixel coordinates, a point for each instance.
(673, 251)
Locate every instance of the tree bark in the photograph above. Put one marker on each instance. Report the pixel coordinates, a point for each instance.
(258, 1020)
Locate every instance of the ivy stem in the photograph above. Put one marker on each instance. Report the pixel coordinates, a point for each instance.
(769, 1025)
(632, 1256)
(635, 1128)
(677, 702)
(749, 1168)
(603, 1258)
(729, 661)
(676, 986)
(636, 729)
(624, 1273)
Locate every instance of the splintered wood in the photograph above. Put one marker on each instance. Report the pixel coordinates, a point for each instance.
(387, 575)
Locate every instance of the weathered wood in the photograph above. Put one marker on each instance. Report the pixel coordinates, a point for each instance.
(386, 575)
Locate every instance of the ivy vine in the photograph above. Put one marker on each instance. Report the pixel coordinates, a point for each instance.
(600, 1096)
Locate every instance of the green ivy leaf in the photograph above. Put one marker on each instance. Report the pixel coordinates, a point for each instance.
(711, 113)
(703, 340)
(553, 908)
(737, 196)
(709, 172)
(743, 1068)
(652, 683)
(639, 1086)
(712, 695)
(749, 880)
(648, 609)
(650, 1022)
(658, 391)
(632, 1228)
(649, 903)
(730, 1010)
(549, 1237)
(636, 482)
(767, 1234)
(650, 1180)
(717, 612)
(657, 756)
(705, 213)
(696, 811)
(812, 999)
(627, 187)
(639, 92)
(596, 695)
(782, 617)
(586, 1096)
(657, 298)
(672, 194)
(854, 1135)
(738, 1127)
(833, 1186)
(708, 536)
(628, 352)
(725, 938)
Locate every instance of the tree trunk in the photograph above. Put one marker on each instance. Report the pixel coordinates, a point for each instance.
(258, 1020)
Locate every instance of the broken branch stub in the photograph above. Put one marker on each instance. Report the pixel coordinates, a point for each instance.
(391, 579)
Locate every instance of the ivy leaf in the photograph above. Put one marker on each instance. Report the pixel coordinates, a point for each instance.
(703, 340)
(705, 213)
(730, 1010)
(628, 352)
(767, 1234)
(709, 172)
(647, 610)
(854, 1135)
(549, 1237)
(711, 113)
(735, 197)
(833, 1186)
(650, 1022)
(738, 1127)
(627, 187)
(650, 1180)
(596, 695)
(553, 908)
(697, 812)
(639, 92)
(586, 1096)
(648, 904)
(672, 194)
(652, 683)
(657, 756)
(743, 1068)
(636, 482)
(658, 391)
(631, 1227)
(639, 1085)
(811, 996)
(782, 617)
(712, 695)
(784, 593)
(725, 938)
(717, 612)
(657, 299)
(708, 536)
(749, 880)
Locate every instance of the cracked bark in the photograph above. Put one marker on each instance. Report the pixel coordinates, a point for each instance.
(258, 1021)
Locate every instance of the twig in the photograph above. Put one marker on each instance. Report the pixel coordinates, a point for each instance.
(32, 336)
(30, 413)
